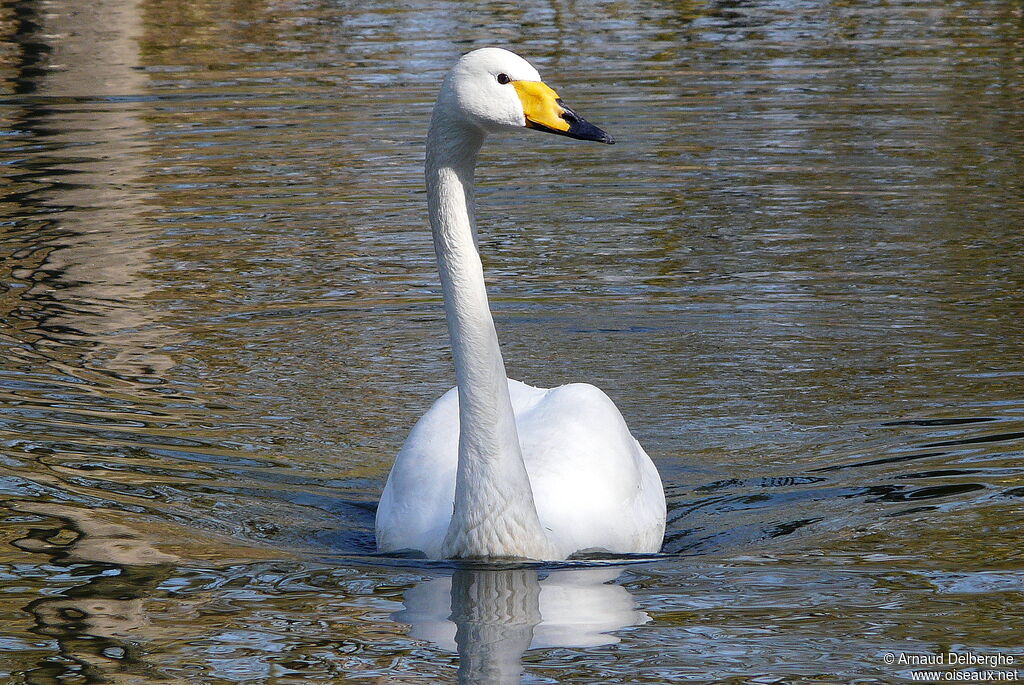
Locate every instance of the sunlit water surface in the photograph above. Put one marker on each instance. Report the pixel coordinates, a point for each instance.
(799, 275)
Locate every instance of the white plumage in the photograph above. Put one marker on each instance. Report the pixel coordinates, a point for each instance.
(593, 485)
(496, 468)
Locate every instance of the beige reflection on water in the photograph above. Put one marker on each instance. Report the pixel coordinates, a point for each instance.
(82, 102)
(105, 625)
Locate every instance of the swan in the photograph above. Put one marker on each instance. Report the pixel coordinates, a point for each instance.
(496, 468)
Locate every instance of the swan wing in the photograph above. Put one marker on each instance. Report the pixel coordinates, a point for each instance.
(416, 505)
(593, 485)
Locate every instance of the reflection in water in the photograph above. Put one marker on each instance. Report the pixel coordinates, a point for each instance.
(102, 625)
(99, 624)
(80, 269)
(491, 617)
(94, 536)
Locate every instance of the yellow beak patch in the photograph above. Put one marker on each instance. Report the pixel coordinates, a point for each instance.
(540, 105)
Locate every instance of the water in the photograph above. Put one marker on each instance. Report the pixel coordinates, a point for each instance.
(798, 274)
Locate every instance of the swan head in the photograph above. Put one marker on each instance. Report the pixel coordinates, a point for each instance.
(496, 90)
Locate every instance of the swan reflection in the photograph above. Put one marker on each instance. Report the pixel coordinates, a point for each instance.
(491, 617)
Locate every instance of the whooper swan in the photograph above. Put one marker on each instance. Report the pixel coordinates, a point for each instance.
(496, 468)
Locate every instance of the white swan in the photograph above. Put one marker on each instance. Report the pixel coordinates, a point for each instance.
(496, 468)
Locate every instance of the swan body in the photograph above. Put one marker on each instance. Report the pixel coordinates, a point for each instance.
(591, 481)
(496, 468)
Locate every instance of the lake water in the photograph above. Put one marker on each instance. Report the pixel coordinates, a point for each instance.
(799, 273)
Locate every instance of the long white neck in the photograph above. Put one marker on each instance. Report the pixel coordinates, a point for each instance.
(494, 513)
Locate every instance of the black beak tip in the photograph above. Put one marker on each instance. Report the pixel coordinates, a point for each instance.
(579, 128)
(584, 130)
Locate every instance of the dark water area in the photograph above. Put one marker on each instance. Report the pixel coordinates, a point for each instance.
(799, 274)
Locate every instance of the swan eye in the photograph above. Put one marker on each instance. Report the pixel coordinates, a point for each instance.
(503, 79)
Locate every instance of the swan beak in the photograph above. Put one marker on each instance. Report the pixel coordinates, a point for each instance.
(545, 111)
